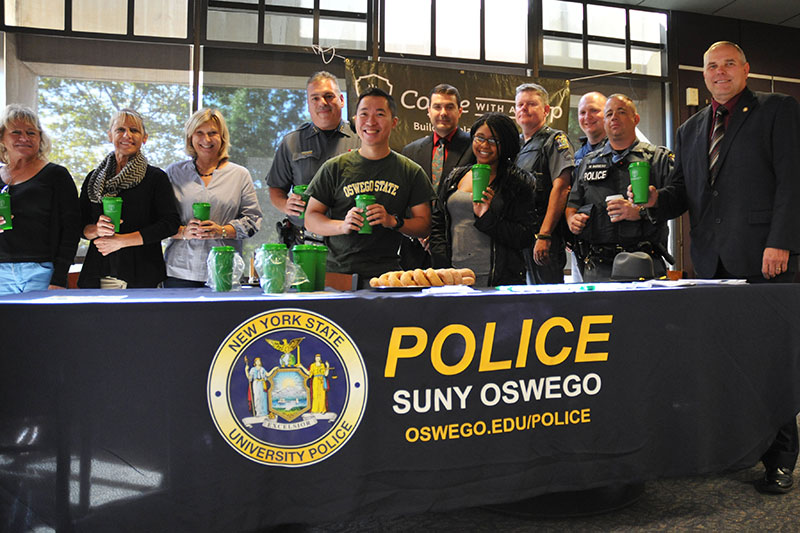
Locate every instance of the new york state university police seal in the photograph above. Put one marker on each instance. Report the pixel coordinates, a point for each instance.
(287, 387)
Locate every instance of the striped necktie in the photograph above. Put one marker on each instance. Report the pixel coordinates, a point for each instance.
(437, 163)
(716, 143)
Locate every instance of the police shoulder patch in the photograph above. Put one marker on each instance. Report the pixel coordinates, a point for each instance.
(562, 143)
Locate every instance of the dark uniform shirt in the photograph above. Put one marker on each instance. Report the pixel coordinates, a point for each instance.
(603, 173)
(303, 151)
(546, 155)
(584, 150)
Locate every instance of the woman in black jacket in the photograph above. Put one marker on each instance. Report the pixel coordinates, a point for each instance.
(487, 236)
(130, 258)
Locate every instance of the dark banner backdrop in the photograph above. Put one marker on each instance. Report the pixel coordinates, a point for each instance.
(481, 92)
(468, 400)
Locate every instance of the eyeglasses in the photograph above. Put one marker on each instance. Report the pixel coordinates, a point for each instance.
(481, 140)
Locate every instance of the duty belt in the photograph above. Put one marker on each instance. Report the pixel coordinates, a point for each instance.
(605, 253)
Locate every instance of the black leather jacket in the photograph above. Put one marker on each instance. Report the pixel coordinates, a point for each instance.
(509, 222)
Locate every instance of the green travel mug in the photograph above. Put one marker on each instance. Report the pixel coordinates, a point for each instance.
(301, 190)
(201, 210)
(222, 273)
(480, 180)
(273, 267)
(5, 210)
(306, 258)
(363, 201)
(112, 208)
(640, 181)
(320, 258)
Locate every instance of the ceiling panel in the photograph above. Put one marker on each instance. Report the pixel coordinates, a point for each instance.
(769, 11)
(781, 12)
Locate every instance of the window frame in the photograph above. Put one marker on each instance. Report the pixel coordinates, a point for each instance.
(586, 39)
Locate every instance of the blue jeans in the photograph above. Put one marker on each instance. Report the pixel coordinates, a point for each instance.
(24, 277)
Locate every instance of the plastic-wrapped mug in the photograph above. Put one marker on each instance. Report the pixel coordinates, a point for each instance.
(222, 272)
(273, 267)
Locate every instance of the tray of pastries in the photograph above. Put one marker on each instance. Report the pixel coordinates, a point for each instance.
(418, 279)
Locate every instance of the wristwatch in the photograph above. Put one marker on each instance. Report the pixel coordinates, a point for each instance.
(400, 222)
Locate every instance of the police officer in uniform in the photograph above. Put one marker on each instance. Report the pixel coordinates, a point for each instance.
(606, 228)
(304, 150)
(591, 108)
(547, 154)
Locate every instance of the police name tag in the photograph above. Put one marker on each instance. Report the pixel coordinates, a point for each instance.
(595, 172)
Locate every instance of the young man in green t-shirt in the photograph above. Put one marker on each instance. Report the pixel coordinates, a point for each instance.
(402, 191)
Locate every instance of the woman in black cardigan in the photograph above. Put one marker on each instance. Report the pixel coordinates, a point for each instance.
(131, 258)
(487, 236)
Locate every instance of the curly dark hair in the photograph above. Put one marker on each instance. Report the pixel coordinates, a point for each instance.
(505, 131)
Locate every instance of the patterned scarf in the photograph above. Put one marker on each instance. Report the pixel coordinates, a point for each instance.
(100, 184)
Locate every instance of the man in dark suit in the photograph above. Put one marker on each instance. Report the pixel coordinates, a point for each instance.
(438, 154)
(736, 172)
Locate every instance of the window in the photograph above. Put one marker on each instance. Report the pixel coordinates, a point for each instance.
(398, 18)
(615, 38)
(258, 118)
(150, 18)
(75, 113)
(290, 23)
(458, 28)
(468, 30)
(506, 38)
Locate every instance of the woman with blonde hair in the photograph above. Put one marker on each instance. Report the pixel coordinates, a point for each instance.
(130, 258)
(38, 249)
(208, 177)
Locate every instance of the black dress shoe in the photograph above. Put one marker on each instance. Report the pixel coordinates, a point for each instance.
(776, 481)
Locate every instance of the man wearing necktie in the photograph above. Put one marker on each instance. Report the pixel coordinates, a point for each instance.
(438, 154)
(736, 172)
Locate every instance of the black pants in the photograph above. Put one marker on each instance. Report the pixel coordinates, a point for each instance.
(553, 271)
(783, 451)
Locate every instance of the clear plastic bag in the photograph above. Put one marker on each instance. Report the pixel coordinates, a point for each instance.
(276, 273)
(225, 268)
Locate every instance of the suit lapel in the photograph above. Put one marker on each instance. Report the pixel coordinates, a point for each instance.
(747, 102)
(427, 154)
(459, 146)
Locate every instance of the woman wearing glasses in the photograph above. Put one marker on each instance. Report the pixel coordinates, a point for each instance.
(487, 236)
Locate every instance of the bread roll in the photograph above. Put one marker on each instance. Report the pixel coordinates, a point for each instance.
(466, 280)
(456, 277)
(407, 278)
(467, 273)
(434, 278)
(394, 280)
(374, 282)
(446, 275)
(420, 279)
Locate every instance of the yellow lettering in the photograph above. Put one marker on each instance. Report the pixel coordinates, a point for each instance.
(486, 364)
(585, 337)
(524, 343)
(438, 342)
(396, 352)
(541, 337)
